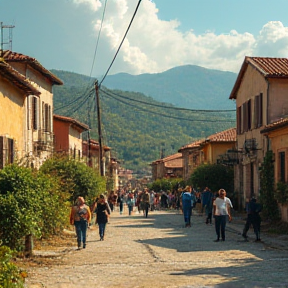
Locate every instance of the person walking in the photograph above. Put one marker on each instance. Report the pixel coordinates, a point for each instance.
(102, 213)
(187, 205)
(145, 202)
(130, 202)
(221, 208)
(80, 216)
(209, 206)
(253, 209)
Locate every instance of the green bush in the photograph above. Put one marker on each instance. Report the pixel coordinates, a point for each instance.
(166, 184)
(281, 193)
(214, 176)
(33, 205)
(267, 193)
(10, 274)
(75, 178)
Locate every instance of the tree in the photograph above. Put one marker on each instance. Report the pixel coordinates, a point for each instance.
(75, 178)
(214, 176)
(267, 192)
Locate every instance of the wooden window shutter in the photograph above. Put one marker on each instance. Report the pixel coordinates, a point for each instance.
(239, 119)
(2, 152)
(260, 111)
(249, 115)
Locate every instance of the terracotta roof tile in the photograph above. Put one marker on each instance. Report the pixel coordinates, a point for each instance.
(228, 135)
(195, 144)
(10, 56)
(168, 158)
(80, 125)
(283, 122)
(17, 79)
(268, 67)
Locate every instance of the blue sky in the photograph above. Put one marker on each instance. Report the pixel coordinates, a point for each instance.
(216, 34)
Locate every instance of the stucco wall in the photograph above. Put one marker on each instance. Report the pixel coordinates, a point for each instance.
(12, 115)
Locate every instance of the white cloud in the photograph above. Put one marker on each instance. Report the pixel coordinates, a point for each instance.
(94, 4)
(272, 40)
(153, 45)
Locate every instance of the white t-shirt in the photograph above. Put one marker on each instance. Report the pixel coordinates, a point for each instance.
(222, 206)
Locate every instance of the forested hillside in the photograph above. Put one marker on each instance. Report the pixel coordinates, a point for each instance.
(135, 126)
(184, 86)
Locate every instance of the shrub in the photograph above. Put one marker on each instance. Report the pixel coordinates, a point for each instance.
(10, 274)
(267, 192)
(281, 193)
(75, 178)
(214, 176)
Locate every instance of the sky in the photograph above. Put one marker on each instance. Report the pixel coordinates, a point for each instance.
(216, 34)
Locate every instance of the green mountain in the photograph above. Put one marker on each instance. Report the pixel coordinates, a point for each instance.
(184, 86)
(136, 126)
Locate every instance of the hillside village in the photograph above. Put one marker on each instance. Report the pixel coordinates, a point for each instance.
(35, 133)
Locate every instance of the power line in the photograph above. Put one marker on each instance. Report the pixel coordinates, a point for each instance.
(74, 100)
(166, 107)
(165, 115)
(95, 52)
(120, 43)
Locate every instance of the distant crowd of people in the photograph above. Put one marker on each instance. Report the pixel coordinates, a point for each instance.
(215, 205)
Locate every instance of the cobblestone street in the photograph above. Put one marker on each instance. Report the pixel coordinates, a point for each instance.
(158, 252)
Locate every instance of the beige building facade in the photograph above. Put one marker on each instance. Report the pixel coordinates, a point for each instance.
(38, 109)
(261, 95)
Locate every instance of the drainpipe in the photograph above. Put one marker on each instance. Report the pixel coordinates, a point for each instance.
(267, 106)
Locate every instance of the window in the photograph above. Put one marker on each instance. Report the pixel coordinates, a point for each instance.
(282, 168)
(6, 151)
(258, 111)
(35, 112)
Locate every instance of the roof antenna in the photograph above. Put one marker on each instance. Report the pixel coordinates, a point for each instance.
(9, 43)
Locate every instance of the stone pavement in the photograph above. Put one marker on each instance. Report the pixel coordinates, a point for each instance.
(159, 252)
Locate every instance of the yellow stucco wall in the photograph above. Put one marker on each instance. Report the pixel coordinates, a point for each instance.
(12, 115)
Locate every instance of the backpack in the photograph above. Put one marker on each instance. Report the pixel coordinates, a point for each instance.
(186, 197)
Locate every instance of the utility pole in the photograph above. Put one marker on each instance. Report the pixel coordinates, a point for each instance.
(2, 37)
(99, 130)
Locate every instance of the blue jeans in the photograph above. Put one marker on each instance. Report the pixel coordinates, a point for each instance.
(130, 208)
(102, 229)
(187, 210)
(220, 225)
(81, 231)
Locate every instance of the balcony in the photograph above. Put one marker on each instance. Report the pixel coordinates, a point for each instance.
(44, 142)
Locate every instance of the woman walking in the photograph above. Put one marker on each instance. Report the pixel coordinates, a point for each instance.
(102, 212)
(80, 216)
(221, 207)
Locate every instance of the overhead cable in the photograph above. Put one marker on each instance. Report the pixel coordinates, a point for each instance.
(168, 116)
(120, 44)
(166, 107)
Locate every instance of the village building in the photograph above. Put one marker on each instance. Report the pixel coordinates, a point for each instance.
(260, 92)
(14, 90)
(277, 132)
(34, 143)
(68, 136)
(168, 167)
(207, 151)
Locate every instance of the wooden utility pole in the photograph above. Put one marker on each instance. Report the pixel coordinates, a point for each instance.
(101, 156)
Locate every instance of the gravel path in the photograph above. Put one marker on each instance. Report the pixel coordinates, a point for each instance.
(159, 252)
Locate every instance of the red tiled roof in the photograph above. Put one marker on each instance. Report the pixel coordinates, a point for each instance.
(195, 144)
(275, 125)
(17, 79)
(268, 67)
(228, 135)
(10, 56)
(95, 144)
(168, 158)
(80, 125)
